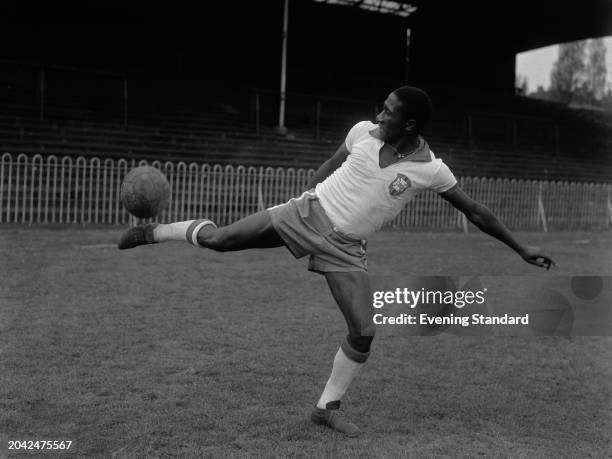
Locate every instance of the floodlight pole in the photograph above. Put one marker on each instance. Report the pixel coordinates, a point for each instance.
(42, 92)
(407, 59)
(125, 102)
(283, 95)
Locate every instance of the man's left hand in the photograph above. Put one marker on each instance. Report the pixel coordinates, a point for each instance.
(534, 256)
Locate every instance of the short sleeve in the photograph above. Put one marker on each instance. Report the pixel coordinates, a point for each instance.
(356, 132)
(444, 179)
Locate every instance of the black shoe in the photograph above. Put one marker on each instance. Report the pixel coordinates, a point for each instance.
(138, 235)
(332, 416)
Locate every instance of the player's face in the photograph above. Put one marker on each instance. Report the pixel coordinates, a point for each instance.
(391, 122)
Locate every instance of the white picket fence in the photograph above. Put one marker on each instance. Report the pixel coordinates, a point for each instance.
(49, 190)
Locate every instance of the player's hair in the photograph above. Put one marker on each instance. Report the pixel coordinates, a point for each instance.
(416, 105)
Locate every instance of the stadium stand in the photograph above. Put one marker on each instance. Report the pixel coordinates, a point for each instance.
(476, 133)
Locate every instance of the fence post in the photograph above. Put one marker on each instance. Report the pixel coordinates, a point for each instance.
(257, 114)
(2, 182)
(42, 93)
(318, 120)
(462, 218)
(283, 94)
(541, 212)
(609, 222)
(260, 202)
(556, 140)
(125, 102)
(469, 128)
(464, 223)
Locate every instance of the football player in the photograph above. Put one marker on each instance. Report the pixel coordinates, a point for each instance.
(366, 183)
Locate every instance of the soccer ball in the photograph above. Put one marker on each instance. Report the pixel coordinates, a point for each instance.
(145, 192)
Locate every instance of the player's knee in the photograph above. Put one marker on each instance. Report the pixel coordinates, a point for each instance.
(360, 339)
(360, 343)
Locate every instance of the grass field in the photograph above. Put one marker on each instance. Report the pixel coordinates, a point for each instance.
(169, 351)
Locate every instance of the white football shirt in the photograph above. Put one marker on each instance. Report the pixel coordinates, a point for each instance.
(360, 197)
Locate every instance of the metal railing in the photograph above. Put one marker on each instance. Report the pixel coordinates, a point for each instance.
(50, 189)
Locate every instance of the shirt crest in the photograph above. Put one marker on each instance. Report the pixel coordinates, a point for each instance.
(399, 184)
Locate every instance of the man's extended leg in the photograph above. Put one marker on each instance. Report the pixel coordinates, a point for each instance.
(351, 290)
(254, 231)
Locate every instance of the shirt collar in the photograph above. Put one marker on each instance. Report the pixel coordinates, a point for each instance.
(421, 153)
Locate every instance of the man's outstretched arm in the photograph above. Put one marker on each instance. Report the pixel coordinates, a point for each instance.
(486, 221)
(329, 166)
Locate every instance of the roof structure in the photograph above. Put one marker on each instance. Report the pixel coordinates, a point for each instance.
(331, 43)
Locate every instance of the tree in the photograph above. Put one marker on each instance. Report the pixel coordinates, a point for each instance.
(521, 84)
(596, 70)
(568, 71)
